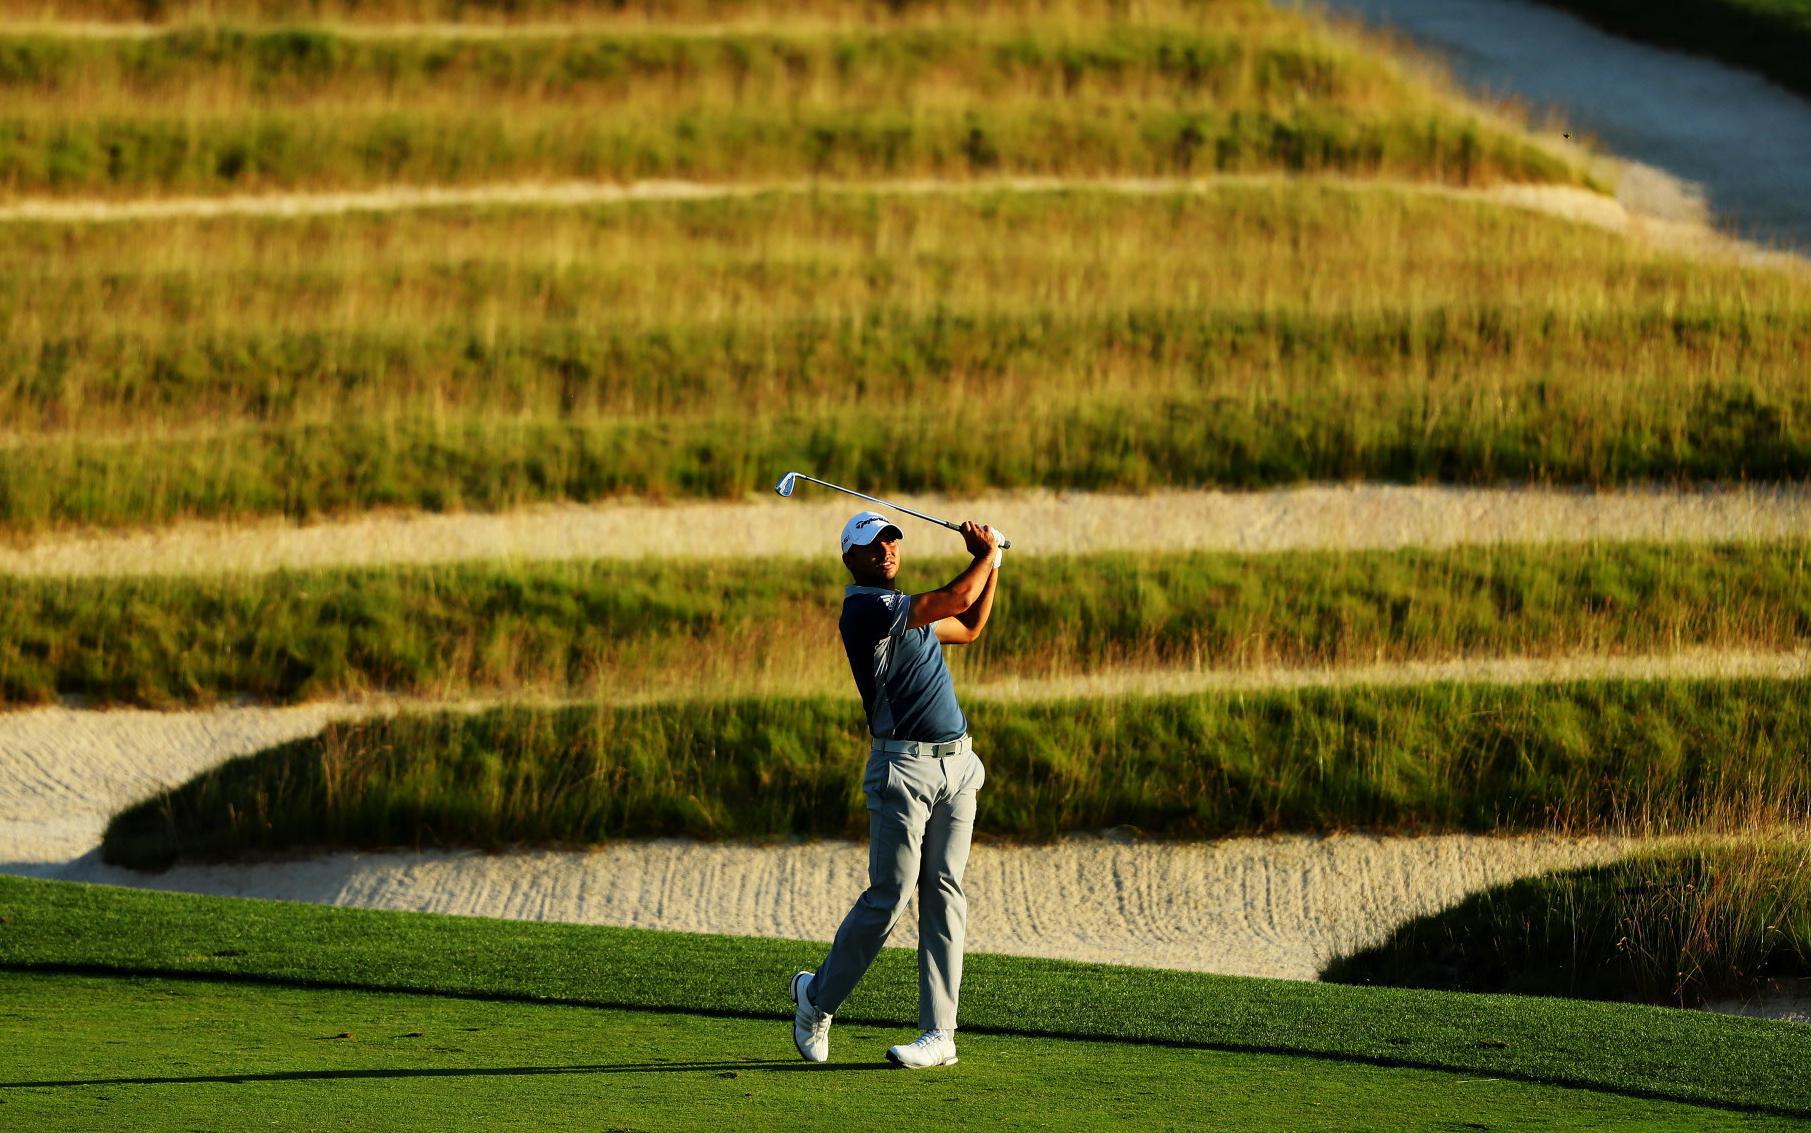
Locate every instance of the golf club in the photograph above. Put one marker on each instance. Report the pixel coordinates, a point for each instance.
(788, 481)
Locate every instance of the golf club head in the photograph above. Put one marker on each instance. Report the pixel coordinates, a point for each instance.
(784, 487)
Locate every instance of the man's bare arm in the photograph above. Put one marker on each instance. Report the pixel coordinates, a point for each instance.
(965, 628)
(964, 591)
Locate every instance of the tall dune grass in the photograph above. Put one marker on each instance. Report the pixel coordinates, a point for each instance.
(717, 629)
(806, 304)
(1616, 756)
(1254, 335)
(628, 14)
(1221, 88)
(1680, 925)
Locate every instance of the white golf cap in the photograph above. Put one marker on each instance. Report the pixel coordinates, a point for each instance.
(865, 527)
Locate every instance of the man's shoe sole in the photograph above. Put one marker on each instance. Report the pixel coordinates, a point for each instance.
(894, 1059)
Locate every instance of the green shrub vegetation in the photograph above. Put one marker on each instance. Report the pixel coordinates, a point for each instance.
(628, 630)
(1224, 87)
(1681, 926)
(1587, 756)
(1769, 36)
(1641, 1052)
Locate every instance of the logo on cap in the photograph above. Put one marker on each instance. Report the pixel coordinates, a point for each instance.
(862, 529)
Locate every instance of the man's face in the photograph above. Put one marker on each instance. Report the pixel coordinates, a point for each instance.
(875, 563)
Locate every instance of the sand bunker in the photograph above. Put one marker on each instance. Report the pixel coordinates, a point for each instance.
(1253, 906)
(1276, 907)
(64, 774)
(1343, 517)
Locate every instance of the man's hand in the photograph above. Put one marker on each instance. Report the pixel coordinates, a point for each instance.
(981, 539)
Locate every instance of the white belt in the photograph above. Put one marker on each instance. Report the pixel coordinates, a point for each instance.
(961, 745)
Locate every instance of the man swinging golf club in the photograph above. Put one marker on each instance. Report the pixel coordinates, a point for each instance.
(920, 783)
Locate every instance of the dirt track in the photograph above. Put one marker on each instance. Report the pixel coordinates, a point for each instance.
(1570, 202)
(1348, 517)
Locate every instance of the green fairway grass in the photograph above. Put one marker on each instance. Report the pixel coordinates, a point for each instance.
(485, 359)
(1629, 1050)
(1681, 925)
(1647, 757)
(168, 1054)
(634, 630)
(1769, 36)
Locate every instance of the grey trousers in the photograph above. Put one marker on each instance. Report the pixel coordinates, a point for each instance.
(921, 815)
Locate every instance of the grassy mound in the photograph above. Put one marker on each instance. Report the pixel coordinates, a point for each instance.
(1181, 89)
(484, 359)
(629, 630)
(1677, 926)
(1635, 1051)
(1588, 756)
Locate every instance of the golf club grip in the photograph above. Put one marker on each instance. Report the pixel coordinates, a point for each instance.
(1005, 544)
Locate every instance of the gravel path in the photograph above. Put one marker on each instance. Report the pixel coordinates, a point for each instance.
(1736, 140)
(1650, 210)
(1349, 517)
(1570, 202)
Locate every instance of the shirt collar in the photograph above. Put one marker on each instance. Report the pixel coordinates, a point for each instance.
(852, 590)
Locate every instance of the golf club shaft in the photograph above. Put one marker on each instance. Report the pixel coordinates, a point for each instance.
(1005, 544)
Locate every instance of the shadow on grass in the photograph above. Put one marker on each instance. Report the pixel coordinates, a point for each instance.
(722, 1068)
(1278, 1049)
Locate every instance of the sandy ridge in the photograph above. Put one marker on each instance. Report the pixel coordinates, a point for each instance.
(1277, 907)
(1333, 517)
(1572, 202)
(1691, 235)
(432, 29)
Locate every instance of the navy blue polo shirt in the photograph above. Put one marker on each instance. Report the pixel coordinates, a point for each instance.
(905, 686)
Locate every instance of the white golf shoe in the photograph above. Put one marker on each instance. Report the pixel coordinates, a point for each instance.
(810, 1027)
(933, 1048)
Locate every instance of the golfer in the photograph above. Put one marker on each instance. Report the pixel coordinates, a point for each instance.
(920, 783)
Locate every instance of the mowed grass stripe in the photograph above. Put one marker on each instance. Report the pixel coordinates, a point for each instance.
(184, 1052)
(1639, 1051)
(603, 627)
(1612, 756)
